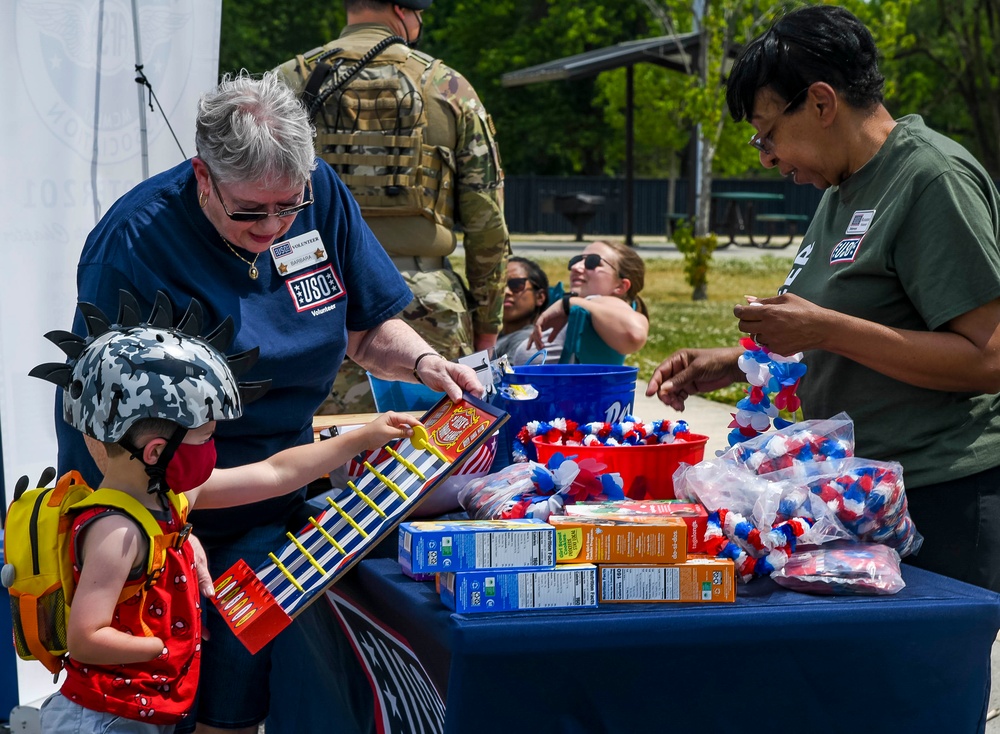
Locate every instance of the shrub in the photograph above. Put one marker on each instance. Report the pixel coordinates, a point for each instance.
(697, 252)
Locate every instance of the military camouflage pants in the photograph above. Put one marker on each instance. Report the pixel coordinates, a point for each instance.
(438, 312)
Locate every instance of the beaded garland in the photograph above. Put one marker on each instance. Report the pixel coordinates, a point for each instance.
(730, 535)
(870, 502)
(629, 432)
(781, 451)
(773, 380)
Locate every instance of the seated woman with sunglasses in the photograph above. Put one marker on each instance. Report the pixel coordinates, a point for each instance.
(524, 299)
(604, 282)
(258, 227)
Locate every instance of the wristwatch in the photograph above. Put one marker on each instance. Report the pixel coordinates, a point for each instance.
(565, 301)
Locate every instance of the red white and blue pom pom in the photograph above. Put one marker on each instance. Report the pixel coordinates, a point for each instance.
(774, 380)
(630, 431)
(510, 494)
(754, 553)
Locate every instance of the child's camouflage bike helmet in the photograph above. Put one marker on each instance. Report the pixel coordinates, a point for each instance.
(123, 372)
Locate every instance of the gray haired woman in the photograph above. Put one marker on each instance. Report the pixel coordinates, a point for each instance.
(257, 227)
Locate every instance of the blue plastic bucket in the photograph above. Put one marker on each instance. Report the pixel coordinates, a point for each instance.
(402, 396)
(580, 392)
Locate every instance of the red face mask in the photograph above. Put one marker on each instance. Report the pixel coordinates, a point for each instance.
(191, 465)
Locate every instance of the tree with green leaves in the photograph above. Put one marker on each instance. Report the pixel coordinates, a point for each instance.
(260, 35)
(700, 93)
(548, 129)
(942, 60)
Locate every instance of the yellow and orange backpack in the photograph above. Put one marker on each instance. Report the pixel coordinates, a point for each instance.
(37, 570)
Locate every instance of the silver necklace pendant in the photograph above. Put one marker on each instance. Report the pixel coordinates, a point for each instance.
(253, 272)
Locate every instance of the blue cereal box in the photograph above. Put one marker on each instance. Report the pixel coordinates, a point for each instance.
(429, 546)
(567, 586)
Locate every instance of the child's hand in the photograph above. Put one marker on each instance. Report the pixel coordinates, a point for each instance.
(388, 427)
(205, 583)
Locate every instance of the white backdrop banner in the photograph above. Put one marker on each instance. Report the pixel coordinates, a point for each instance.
(72, 135)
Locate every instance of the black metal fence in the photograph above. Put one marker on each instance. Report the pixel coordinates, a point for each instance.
(529, 202)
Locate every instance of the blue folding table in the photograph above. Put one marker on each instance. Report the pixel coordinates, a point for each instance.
(775, 660)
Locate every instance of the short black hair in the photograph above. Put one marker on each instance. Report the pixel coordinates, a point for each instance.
(820, 43)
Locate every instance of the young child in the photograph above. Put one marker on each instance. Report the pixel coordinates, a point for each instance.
(152, 397)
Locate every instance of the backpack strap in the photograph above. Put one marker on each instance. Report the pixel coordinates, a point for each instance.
(314, 99)
(159, 542)
(315, 81)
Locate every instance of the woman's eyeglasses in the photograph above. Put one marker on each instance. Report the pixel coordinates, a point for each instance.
(591, 262)
(765, 143)
(260, 216)
(517, 285)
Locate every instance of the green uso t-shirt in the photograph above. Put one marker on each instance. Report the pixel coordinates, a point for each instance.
(909, 241)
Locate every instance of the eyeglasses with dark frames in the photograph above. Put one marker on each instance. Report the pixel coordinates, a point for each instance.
(517, 285)
(260, 216)
(763, 142)
(592, 262)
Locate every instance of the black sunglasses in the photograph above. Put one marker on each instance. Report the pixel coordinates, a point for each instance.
(516, 285)
(259, 216)
(591, 262)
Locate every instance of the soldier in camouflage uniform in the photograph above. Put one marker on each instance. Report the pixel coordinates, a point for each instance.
(412, 141)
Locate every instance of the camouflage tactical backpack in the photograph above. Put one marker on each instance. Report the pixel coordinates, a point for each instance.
(371, 120)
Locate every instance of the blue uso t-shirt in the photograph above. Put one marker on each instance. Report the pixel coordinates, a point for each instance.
(157, 238)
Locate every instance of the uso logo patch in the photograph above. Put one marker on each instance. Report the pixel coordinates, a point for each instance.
(315, 289)
(845, 251)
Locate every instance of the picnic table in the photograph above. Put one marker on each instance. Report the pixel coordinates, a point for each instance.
(735, 215)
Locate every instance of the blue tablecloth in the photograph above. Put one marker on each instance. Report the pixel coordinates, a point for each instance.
(917, 661)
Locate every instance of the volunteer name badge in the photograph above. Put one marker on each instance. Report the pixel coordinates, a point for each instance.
(304, 251)
(860, 222)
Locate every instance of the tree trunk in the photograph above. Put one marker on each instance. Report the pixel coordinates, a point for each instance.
(671, 193)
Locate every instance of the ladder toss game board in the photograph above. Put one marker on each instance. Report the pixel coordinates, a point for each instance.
(257, 605)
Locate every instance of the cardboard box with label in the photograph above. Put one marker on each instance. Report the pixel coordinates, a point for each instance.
(691, 512)
(610, 540)
(428, 546)
(566, 586)
(699, 579)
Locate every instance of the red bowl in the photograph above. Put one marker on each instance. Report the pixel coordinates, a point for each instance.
(647, 471)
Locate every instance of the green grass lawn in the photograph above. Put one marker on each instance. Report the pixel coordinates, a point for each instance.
(676, 321)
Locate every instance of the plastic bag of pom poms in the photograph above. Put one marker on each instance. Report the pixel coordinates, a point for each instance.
(534, 490)
(717, 484)
(866, 497)
(720, 485)
(812, 440)
(842, 568)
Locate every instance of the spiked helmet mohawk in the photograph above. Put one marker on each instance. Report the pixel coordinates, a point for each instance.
(123, 372)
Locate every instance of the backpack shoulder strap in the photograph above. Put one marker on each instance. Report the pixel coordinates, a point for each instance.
(159, 541)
